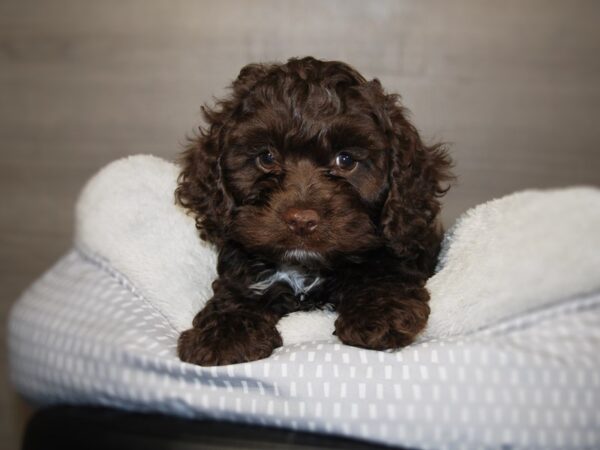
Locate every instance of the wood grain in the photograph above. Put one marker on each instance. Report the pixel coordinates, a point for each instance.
(513, 86)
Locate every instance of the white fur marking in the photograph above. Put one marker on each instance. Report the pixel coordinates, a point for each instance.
(293, 277)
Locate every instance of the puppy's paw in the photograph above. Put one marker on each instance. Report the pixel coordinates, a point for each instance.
(228, 338)
(382, 325)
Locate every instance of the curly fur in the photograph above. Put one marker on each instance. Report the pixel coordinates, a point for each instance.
(377, 237)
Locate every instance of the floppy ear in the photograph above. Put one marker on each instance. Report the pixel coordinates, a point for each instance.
(201, 190)
(416, 175)
(201, 187)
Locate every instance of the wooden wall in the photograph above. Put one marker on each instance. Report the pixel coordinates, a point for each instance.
(513, 85)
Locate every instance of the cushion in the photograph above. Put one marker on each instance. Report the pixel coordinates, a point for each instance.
(509, 356)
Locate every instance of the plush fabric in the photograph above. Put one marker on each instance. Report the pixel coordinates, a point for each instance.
(502, 258)
(518, 253)
(127, 215)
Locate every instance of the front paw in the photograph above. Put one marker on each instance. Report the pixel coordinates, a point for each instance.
(228, 338)
(382, 325)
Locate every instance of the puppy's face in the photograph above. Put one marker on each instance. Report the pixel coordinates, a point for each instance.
(307, 160)
(306, 182)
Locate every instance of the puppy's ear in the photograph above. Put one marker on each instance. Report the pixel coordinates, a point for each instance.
(201, 187)
(417, 175)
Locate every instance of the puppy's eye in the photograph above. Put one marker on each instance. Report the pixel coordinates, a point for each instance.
(345, 161)
(266, 161)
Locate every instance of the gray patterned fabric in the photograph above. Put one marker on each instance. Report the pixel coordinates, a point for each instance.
(83, 335)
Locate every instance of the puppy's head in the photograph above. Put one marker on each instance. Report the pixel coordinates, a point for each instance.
(309, 161)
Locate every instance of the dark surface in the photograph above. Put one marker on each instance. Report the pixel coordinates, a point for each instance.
(91, 428)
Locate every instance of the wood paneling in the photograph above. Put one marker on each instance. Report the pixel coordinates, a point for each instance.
(512, 85)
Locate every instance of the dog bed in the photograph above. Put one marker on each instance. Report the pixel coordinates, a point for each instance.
(508, 360)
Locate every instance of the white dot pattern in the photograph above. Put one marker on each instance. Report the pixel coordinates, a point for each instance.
(83, 335)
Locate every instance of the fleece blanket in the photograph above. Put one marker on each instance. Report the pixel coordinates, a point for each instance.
(502, 258)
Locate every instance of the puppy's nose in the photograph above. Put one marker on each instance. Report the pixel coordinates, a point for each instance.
(301, 221)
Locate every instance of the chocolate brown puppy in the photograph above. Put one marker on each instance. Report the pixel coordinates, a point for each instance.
(318, 192)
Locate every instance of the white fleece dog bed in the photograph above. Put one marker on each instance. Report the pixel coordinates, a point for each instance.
(509, 356)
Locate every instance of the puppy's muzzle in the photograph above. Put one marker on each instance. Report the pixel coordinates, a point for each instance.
(301, 221)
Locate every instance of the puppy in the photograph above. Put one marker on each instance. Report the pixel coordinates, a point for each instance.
(317, 192)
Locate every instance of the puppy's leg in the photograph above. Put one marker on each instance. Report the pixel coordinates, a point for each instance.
(382, 315)
(236, 325)
(228, 331)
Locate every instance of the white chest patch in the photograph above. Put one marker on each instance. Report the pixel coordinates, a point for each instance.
(300, 282)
